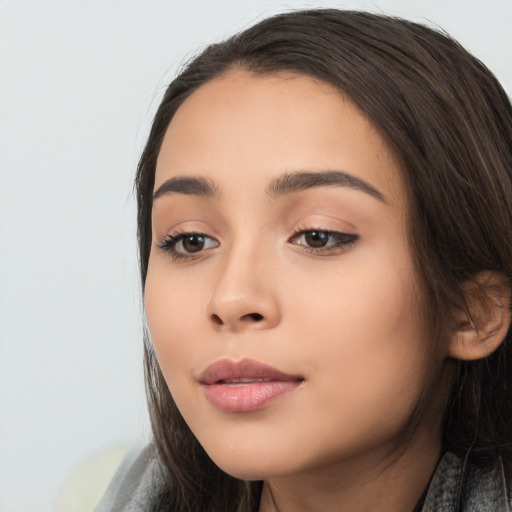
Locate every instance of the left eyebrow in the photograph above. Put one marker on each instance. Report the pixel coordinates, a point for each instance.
(299, 181)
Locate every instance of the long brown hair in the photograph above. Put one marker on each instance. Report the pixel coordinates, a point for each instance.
(450, 122)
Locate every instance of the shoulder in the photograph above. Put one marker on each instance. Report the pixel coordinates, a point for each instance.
(137, 479)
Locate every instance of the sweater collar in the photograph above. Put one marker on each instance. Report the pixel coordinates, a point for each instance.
(485, 490)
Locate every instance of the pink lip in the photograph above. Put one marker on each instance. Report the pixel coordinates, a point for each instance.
(245, 385)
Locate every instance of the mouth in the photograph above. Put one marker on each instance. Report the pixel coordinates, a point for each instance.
(246, 385)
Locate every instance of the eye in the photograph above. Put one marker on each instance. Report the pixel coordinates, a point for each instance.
(320, 241)
(186, 245)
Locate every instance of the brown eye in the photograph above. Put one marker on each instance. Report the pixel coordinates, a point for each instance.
(193, 243)
(316, 238)
(323, 242)
(187, 245)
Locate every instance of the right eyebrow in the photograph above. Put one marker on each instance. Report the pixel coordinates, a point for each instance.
(304, 180)
(188, 185)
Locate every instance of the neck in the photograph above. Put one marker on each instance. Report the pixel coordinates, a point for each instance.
(378, 482)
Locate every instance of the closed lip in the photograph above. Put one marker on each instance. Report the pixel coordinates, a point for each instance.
(245, 386)
(226, 371)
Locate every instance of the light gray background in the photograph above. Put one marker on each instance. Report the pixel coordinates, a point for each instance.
(79, 82)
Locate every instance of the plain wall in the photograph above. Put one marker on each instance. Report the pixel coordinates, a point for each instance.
(79, 82)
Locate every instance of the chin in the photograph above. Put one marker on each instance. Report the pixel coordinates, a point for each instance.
(251, 472)
(257, 463)
(243, 466)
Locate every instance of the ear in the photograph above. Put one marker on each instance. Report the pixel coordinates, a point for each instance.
(481, 332)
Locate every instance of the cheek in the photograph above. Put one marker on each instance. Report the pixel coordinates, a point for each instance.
(361, 329)
(173, 311)
(371, 292)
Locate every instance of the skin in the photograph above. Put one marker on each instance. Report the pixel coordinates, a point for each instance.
(347, 319)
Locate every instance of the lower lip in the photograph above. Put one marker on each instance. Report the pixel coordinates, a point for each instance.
(248, 397)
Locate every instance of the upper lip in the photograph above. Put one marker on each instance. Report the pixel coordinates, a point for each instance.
(226, 370)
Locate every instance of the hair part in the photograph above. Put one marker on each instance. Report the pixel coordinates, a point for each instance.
(450, 123)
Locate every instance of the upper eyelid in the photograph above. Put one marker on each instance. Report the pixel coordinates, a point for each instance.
(305, 228)
(301, 229)
(185, 228)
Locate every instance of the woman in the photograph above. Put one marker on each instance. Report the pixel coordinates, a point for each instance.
(325, 235)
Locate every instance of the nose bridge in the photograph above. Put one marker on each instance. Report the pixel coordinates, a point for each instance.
(245, 294)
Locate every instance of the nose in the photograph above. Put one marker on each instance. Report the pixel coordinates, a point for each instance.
(245, 295)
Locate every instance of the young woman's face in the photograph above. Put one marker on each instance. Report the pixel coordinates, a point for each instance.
(281, 295)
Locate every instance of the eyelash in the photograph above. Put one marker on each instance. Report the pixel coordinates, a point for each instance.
(343, 241)
(169, 243)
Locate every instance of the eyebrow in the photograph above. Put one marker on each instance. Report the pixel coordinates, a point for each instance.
(188, 185)
(283, 185)
(298, 181)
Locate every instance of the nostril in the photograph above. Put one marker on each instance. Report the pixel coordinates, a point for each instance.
(248, 318)
(255, 317)
(216, 319)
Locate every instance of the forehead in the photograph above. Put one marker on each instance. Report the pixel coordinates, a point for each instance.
(250, 128)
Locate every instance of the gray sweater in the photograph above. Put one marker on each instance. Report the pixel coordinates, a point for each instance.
(139, 477)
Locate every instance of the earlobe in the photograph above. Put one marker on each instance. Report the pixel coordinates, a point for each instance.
(483, 327)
